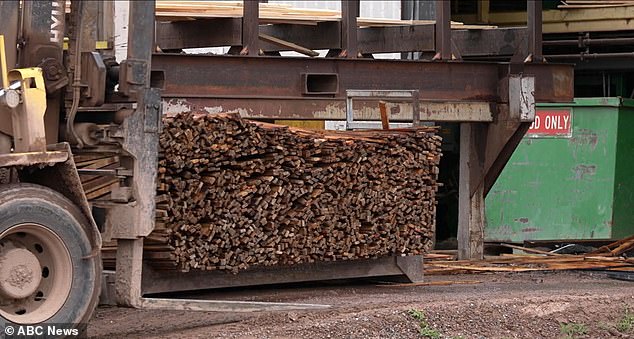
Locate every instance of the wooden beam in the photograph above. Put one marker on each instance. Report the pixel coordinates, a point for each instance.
(471, 194)
(288, 45)
(385, 120)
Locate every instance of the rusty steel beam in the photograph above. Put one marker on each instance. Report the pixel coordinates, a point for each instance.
(534, 26)
(443, 30)
(489, 42)
(325, 35)
(273, 87)
(250, 28)
(349, 14)
(186, 34)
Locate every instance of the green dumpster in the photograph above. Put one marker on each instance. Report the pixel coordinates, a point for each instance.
(571, 177)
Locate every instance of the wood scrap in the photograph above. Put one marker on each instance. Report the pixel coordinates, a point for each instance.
(528, 250)
(616, 248)
(433, 283)
(289, 45)
(528, 263)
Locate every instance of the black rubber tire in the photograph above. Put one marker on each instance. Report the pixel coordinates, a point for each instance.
(28, 203)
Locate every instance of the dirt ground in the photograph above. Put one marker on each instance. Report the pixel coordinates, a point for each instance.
(520, 305)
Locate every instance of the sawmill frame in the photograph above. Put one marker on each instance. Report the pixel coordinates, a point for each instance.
(492, 102)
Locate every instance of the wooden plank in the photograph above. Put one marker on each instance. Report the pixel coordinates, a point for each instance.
(224, 305)
(434, 283)
(471, 195)
(385, 120)
(529, 250)
(289, 45)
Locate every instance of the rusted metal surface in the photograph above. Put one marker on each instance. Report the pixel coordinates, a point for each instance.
(227, 83)
(333, 109)
(32, 158)
(349, 13)
(326, 35)
(387, 94)
(534, 9)
(215, 76)
(250, 28)
(159, 281)
(443, 30)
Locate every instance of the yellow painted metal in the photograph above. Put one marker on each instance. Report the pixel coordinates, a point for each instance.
(308, 124)
(28, 117)
(563, 20)
(483, 11)
(3, 63)
(98, 44)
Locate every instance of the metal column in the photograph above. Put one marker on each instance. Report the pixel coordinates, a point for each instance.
(130, 222)
(534, 9)
(250, 28)
(443, 30)
(349, 14)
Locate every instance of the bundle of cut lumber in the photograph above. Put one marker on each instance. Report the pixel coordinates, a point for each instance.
(274, 13)
(234, 194)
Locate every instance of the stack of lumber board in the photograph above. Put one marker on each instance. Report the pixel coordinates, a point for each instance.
(97, 186)
(234, 194)
(275, 13)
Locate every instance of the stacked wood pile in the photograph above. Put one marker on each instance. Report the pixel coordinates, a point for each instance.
(97, 186)
(233, 194)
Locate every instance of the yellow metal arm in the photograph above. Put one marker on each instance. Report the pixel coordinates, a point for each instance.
(3, 64)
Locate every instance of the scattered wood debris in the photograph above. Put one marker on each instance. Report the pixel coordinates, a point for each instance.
(432, 283)
(605, 258)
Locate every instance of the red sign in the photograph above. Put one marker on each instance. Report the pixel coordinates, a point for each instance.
(551, 123)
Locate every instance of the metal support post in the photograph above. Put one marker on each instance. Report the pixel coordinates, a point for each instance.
(443, 30)
(139, 133)
(250, 28)
(349, 14)
(534, 8)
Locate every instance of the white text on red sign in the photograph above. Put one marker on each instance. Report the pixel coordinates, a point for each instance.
(551, 123)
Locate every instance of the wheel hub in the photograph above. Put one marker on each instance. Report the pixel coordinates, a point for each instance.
(35, 273)
(20, 273)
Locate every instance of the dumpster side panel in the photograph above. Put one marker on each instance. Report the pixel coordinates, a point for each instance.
(558, 187)
(624, 174)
